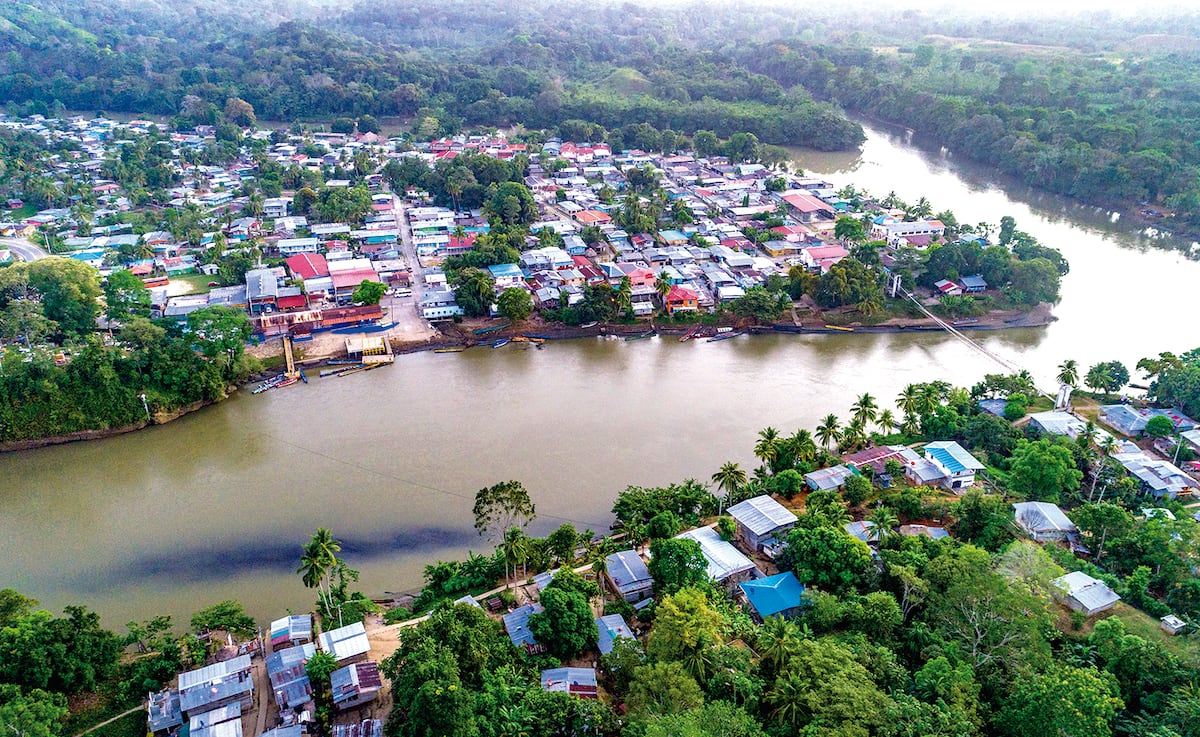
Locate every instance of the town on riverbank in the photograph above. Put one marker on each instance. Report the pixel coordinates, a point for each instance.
(1008, 531)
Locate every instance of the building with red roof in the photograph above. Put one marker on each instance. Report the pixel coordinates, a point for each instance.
(681, 299)
(307, 266)
(807, 206)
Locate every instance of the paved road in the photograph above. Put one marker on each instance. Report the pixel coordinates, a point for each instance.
(23, 249)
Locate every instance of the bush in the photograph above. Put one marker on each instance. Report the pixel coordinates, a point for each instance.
(398, 614)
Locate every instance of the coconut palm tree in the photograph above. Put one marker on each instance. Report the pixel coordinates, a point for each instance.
(829, 431)
(855, 435)
(662, 285)
(801, 447)
(625, 296)
(886, 421)
(729, 479)
(885, 521)
(767, 447)
(1105, 450)
(909, 399)
(778, 641)
(515, 549)
(319, 559)
(1068, 372)
(865, 410)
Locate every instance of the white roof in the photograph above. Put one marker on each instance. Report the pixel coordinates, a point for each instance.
(723, 559)
(1042, 517)
(1090, 592)
(346, 642)
(762, 514)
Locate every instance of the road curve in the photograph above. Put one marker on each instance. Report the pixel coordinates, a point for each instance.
(23, 249)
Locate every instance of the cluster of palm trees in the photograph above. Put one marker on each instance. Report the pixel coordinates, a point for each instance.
(916, 400)
(854, 434)
(318, 563)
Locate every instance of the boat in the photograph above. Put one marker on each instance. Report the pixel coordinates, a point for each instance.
(589, 324)
(529, 339)
(783, 328)
(355, 329)
(452, 349)
(288, 381)
(689, 334)
(839, 327)
(303, 376)
(269, 384)
(492, 329)
(646, 334)
(341, 370)
(501, 343)
(723, 336)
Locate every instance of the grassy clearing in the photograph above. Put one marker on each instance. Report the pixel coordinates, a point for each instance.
(197, 283)
(1137, 622)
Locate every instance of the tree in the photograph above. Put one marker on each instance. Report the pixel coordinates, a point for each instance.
(515, 304)
(766, 448)
(662, 689)
(1027, 565)
(1107, 376)
(824, 686)
(303, 201)
(319, 667)
(1159, 426)
(368, 292)
(220, 333)
(714, 719)
(1008, 226)
(676, 563)
(848, 228)
(502, 507)
(474, 291)
(22, 319)
(729, 479)
(856, 489)
(69, 290)
(663, 525)
(511, 204)
(705, 143)
(317, 561)
(684, 623)
(239, 112)
(1068, 372)
(885, 521)
(567, 626)
(226, 616)
(344, 204)
(828, 432)
(1043, 470)
(865, 410)
(1081, 702)
(826, 557)
(36, 713)
(125, 296)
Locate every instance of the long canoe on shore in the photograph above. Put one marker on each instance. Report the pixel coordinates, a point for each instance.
(452, 349)
(492, 329)
(646, 334)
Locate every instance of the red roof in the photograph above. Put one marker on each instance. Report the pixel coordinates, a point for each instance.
(344, 279)
(591, 217)
(681, 294)
(308, 265)
(291, 302)
(805, 202)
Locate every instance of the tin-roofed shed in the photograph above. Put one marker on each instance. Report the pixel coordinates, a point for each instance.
(779, 595)
(611, 627)
(347, 644)
(1083, 593)
(760, 521)
(725, 563)
(216, 685)
(629, 575)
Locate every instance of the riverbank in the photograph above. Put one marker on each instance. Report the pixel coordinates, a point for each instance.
(157, 418)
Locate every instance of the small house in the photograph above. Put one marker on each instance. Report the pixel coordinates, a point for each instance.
(761, 521)
(973, 284)
(946, 463)
(225, 721)
(579, 682)
(288, 677)
(290, 631)
(1172, 624)
(611, 627)
(863, 530)
(628, 575)
(828, 479)
(1082, 593)
(929, 531)
(216, 685)
(355, 685)
(516, 624)
(347, 644)
(162, 712)
(781, 595)
(725, 564)
(1044, 522)
(681, 299)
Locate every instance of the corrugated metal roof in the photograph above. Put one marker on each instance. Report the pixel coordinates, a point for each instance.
(1042, 517)
(516, 623)
(628, 571)
(1091, 593)
(723, 559)
(774, 594)
(762, 514)
(580, 681)
(952, 456)
(828, 478)
(610, 628)
(346, 642)
(214, 683)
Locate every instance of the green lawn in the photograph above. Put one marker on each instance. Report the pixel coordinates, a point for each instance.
(198, 282)
(1143, 625)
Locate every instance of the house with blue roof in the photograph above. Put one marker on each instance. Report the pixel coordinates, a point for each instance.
(507, 275)
(781, 595)
(947, 464)
(611, 627)
(516, 624)
(973, 284)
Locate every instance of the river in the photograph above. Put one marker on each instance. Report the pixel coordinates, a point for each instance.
(217, 504)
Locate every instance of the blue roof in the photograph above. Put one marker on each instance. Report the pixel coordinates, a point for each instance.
(953, 457)
(973, 282)
(774, 594)
(499, 270)
(611, 627)
(516, 623)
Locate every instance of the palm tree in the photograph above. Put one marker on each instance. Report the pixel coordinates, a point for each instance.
(801, 447)
(318, 559)
(778, 641)
(1106, 448)
(885, 521)
(788, 700)
(767, 447)
(515, 549)
(829, 431)
(886, 421)
(870, 305)
(909, 399)
(625, 296)
(1068, 372)
(865, 410)
(729, 479)
(855, 435)
(662, 285)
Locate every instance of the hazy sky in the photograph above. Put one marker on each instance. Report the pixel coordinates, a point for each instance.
(1011, 8)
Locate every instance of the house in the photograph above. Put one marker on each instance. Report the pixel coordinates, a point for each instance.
(162, 712)
(308, 266)
(947, 288)
(347, 644)
(1057, 422)
(289, 679)
(933, 533)
(1172, 624)
(355, 685)
(292, 246)
(781, 595)
(877, 456)
(628, 575)
(946, 463)
(579, 682)
(1083, 593)
(1158, 477)
(610, 628)
(439, 305)
(1044, 522)
(724, 563)
(262, 289)
(506, 276)
(863, 530)
(367, 728)
(761, 522)
(516, 624)
(225, 721)
(828, 479)
(973, 284)
(216, 685)
(807, 207)
(292, 630)
(1132, 421)
(681, 299)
